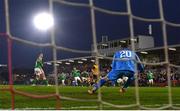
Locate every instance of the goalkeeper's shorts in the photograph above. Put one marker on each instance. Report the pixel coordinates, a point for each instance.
(113, 75)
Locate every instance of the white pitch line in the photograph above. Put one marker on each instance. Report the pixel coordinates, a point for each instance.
(82, 107)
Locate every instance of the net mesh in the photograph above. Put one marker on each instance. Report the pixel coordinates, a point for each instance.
(53, 45)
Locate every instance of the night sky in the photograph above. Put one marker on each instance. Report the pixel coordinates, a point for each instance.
(73, 26)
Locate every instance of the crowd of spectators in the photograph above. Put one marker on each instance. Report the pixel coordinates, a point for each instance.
(159, 74)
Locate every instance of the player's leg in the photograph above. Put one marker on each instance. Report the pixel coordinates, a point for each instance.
(43, 77)
(96, 86)
(151, 82)
(79, 79)
(63, 82)
(120, 81)
(95, 78)
(130, 76)
(112, 75)
(37, 76)
(84, 81)
(35, 81)
(76, 81)
(90, 80)
(113, 83)
(125, 78)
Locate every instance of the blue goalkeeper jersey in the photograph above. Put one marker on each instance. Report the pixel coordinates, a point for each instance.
(125, 60)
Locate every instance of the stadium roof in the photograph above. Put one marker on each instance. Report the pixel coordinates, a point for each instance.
(157, 48)
(79, 60)
(3, 65)
(92, 58)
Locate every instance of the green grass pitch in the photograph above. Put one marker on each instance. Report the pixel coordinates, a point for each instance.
(149, 97)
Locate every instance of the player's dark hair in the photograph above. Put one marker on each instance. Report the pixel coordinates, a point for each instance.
(124, 45)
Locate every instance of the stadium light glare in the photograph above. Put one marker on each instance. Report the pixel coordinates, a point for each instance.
(84, 59)
(43, 21)
(173, 49)
(92, 60)
(80, 62)
(133, 39)
(71, 60)
(3, 65)
(49, 63)
(67, 63)
(123, 41)
(100, 57)
(56, 64)
(104, 45)
(59, 62)
(143, 52)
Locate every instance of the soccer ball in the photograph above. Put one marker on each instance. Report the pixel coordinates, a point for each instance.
(122, 80)
(125, 78)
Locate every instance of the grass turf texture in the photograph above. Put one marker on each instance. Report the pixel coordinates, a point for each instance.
(149, 97)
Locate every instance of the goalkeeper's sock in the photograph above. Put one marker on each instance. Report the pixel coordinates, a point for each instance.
(128, 82)
(99, 84)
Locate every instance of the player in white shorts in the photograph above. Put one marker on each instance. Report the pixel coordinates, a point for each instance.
(38, 70)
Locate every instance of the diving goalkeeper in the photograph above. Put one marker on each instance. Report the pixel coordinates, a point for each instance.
(123, 64)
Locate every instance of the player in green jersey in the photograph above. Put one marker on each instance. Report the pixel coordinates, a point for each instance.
(62, 78)
(84, 76)
(76, 74)
(38, 70)
(150, 78)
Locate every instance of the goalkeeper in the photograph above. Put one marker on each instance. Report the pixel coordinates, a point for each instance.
(124, 62)
(38, 70)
